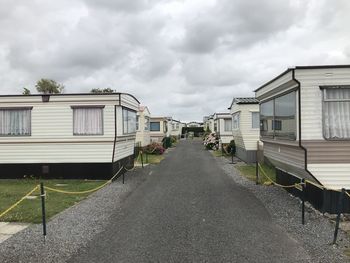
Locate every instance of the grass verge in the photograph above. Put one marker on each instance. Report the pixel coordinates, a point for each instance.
(150, 159)
(248, 171)
(219, 153)
(29, 211)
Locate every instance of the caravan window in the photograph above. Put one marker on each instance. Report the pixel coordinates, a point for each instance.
(88, 120)
(129, 121)
(336, 113)
(146, 123)
(278, 117)
(137, 122)
(235, 121)
(228, 125)
(285, 125)
(155, 126)
(15, 122)
(255, 120)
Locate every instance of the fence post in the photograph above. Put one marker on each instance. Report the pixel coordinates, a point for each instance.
(43, 213)
(123, 175)
(257, 163)
(303, 201)
(142, 158)
(340, 208)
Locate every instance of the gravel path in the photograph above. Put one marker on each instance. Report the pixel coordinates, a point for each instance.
(316, 235)
(191, 211)
(73, 228)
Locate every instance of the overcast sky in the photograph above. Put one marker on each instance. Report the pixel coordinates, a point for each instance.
(180, 58)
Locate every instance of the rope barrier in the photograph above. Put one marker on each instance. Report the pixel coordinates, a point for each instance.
(294, 185)
(129, 170)
(18, 202)
(84, 192)
(274, 183)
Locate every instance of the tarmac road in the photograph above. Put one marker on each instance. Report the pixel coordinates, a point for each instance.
(189, 210)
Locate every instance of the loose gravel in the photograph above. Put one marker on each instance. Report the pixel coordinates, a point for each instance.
(317, 233)
(73, 228)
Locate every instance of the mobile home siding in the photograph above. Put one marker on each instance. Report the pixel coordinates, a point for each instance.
(291, 155)
(311, 97)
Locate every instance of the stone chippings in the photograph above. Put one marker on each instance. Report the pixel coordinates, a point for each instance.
(72, 228)
(317, 233)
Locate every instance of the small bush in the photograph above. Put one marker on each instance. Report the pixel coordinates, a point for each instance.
(154, 148)
(231, 147)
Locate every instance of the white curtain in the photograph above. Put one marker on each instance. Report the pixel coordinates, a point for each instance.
(228, 125)
(88, 121)
(15, 122)
(337, 113)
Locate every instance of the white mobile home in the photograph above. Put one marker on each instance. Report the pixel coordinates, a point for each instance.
(245, 127)
(143, 137)
(305, 123)
(66, 135)
(158, 128)
(223, 126)
(175, 127)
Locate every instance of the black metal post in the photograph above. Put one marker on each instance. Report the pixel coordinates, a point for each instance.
(123, 175)
(340, 208)
(256, 172)
(42, 194)
(303, 201)
(146, 157)
(142, 158)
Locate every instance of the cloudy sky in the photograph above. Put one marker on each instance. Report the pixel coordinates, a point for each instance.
(182, 58)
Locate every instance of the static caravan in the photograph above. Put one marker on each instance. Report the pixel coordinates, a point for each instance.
(305, 123)
(158, 128)
(194, 124)
(175, 128)
(66, 135)
(143, 137)
(223, 126)
(245, 127)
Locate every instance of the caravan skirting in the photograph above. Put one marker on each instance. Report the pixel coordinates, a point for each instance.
(93, 171)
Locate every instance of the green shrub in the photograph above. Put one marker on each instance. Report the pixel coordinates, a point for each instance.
(231, 147)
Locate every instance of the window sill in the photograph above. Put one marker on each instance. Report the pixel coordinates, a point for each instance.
(280, 141)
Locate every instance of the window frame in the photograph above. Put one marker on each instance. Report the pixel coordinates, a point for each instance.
(228, 119)
(238, 114)
(89, 107)
(273, 136)
(252, 126)
(30, 108)
(324, 100)
(150, 126)
(128, 110)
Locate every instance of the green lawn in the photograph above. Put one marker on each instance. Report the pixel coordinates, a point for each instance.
(153, 158)
(30, 209)
(249, 172)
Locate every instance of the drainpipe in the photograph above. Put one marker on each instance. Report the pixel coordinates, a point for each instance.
(299, 127)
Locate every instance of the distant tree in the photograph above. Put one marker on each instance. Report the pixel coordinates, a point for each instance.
(26, 91)
(49, 86)
(106, 90)
(208, 130)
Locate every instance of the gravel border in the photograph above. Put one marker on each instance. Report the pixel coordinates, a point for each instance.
(317, 233)
(74, 227)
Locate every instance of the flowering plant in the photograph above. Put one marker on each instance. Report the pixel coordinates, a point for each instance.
(154, 148)
(211, 142)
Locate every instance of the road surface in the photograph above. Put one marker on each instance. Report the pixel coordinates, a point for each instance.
(189, 210)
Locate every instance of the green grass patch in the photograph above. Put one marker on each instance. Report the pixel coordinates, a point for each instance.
(248, 171)
(219, 153)
(29, 210)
